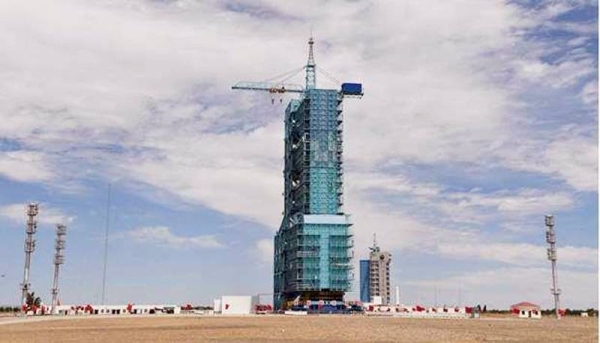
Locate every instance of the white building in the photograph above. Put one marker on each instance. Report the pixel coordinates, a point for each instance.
(526, 310)
(238, 304)
(379, 275)
(217, 306)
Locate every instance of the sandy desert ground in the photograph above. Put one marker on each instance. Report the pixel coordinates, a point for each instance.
(296, 329)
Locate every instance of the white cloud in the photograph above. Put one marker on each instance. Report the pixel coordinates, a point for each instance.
(589, 94)
(400, 233)
(162, 236)
(499, 288)
(160, 106)
(520, 254)
(265, 250)
(576, 160)
(452, 233)
(571, 155)
(523, 202)
(364, 181)
(25, 166)
(47, 215)
(559, 75)
(438, 204)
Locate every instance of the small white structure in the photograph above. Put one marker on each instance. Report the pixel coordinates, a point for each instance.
(238, 304)
(155, 309)
(217, 306)
(116, 310)
(296, 313)
(109, 309)
(417, 311)
(526, 309)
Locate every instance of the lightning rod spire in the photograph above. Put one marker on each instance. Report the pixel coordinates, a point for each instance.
(311, 79)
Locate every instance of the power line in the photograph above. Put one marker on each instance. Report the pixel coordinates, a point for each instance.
(106, 244)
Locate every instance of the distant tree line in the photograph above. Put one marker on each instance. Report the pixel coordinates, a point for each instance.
(592, 312)
(9, 309)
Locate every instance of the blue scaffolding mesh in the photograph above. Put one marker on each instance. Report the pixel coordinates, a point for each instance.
(315, 256)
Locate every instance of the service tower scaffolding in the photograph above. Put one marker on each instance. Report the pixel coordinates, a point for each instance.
(551, 240)
(59, 258)
(313, 246)
(31, 229)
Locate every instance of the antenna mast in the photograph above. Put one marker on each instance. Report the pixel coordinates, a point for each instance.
(61, 232)
(551, 240)
(375, 248)
(32, 211)
(311, 78)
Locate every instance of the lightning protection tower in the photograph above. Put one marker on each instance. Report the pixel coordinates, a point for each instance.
(61, 232)
(31, 229)
(313, 246)
(551, 240)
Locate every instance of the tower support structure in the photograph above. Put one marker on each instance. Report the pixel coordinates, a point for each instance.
(311, 75)
(30, 230)
(551, 240)
(313, 246)
(59, 246)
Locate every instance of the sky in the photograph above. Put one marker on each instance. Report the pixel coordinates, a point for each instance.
(479, 117)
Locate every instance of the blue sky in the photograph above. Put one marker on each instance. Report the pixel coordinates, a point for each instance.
(478, 118)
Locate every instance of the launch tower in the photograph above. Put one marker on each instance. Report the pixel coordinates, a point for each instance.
(313, 246)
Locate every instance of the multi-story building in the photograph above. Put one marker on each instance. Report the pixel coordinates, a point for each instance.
(375, 276)
(313, 245)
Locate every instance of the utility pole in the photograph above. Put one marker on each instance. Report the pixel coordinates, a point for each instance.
(106, 244)
(551, 240)
(61, 232)
(32, 211)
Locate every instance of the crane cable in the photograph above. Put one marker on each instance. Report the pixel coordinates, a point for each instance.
(286, 75)
(329, 76)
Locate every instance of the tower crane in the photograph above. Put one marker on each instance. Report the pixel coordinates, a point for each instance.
(347, 89)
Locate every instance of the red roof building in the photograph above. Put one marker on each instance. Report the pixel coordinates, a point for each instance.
(526, 309)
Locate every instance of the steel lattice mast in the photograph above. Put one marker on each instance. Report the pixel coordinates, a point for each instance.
(32, 211)
(551, 240)
(311, 77)
(61, 232)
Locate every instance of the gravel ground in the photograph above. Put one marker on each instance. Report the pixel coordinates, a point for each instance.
(297, 329)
